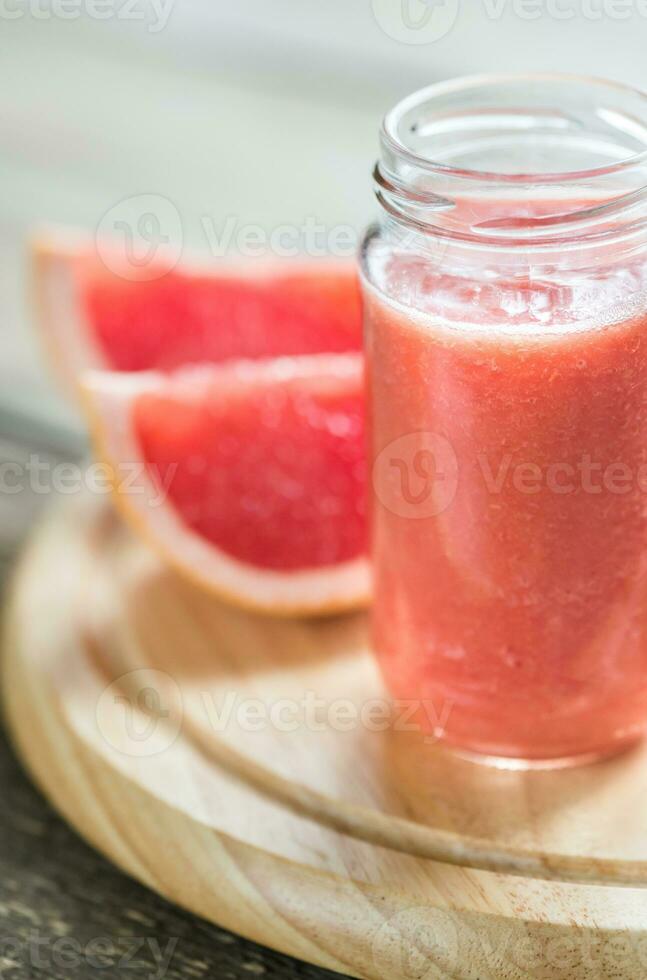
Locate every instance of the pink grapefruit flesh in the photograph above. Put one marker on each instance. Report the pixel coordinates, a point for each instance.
(250, 475)
(95, 318)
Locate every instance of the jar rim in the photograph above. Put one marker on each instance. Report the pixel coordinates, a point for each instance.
(392, 141)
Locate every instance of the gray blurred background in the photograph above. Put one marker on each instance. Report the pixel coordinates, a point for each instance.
(266, 110)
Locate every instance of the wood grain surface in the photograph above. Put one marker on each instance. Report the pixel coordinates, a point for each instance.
(66, 913)
(209, 836)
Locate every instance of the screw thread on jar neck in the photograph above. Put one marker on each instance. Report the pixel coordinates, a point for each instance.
(518, 163)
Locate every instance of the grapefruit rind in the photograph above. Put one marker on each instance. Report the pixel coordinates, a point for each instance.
(66, 336)
(60, 258)
(321, 591)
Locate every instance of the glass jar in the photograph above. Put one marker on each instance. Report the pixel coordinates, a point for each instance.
(505, 292)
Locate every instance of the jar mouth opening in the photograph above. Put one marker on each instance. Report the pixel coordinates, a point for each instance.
(403, 120)
(541, 159)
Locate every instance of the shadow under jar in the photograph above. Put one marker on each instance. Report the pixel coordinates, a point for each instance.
(505, 292)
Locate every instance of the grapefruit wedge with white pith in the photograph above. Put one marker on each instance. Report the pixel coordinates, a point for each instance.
(249, 477)
(96, 314)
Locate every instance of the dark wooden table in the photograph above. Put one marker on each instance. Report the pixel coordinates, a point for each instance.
(65, 912)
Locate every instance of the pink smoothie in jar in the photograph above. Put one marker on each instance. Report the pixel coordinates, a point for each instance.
(505, 301)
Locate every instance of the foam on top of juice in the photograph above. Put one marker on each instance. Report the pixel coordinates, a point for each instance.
(557, 301)
(472, 290)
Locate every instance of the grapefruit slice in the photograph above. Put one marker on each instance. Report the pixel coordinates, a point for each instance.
(95, 316)
(248, 477)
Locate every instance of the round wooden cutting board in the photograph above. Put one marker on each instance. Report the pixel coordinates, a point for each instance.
(252, 771)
